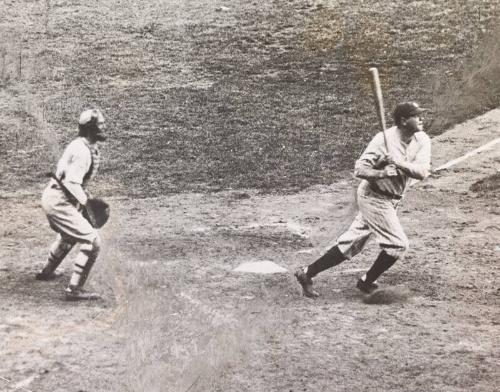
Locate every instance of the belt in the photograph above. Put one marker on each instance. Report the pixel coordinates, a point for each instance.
(374, 187)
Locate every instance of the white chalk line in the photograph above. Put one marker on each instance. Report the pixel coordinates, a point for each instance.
(453, 162)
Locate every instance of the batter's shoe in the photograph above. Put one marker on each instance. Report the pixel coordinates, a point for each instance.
(73, 293)
(366, 287)
(46, 276)
(306, 283)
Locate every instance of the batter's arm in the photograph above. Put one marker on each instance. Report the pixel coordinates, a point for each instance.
(372, 164)
(420, 168)
(367, 172)
(414, 170)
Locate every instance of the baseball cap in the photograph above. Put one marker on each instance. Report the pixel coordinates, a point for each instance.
(90, 115)
(407, 109)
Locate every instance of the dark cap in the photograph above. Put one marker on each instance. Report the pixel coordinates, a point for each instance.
(407, 109)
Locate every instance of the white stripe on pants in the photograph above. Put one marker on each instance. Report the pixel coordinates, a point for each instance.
(377, 216)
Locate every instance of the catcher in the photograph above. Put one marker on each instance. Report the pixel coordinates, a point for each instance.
(71, 213)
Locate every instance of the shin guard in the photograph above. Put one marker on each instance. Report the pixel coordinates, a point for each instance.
(58, 251)
(84, 262)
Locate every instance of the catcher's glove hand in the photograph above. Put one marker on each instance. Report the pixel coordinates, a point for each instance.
(96, 211)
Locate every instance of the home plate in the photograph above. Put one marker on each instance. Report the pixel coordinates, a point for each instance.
(260, 267)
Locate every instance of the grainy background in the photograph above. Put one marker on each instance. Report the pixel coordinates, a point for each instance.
(233, 129)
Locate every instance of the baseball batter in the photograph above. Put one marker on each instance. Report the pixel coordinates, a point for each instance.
(386, 174)
(63, 200)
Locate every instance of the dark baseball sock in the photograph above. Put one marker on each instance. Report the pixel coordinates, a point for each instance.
(381, 264)
(330, 259)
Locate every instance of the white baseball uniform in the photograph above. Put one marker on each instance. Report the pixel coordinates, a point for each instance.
(76, 166)
(378, 199)
(63, 207)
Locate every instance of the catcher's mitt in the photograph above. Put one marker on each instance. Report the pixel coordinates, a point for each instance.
(96, 211)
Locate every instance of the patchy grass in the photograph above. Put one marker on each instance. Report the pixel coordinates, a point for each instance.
(488, 185)
(216, 95)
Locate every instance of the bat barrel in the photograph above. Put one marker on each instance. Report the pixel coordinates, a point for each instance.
(379, 102)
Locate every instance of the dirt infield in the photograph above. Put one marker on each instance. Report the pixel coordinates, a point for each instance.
(177, 317)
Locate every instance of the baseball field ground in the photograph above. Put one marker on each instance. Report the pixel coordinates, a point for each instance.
(233, 128)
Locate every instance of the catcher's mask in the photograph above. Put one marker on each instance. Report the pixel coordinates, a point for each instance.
(91, 125)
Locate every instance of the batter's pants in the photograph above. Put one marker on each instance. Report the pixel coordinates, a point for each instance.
(377, 218)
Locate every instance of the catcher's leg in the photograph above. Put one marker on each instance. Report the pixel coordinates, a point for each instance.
(83, 264)
(58, 251)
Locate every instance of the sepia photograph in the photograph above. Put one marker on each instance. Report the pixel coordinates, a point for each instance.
(249, 196)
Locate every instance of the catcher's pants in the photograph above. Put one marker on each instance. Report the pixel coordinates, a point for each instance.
(377, 217)
(72, 228)
(64, 217)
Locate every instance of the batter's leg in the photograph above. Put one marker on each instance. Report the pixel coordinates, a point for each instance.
(330, 259)
(383, 262)
(383, 221)
(348, 244)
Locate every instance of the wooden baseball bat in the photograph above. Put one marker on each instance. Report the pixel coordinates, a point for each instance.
(379, 103)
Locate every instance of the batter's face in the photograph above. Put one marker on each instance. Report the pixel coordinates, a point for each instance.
(413, 124)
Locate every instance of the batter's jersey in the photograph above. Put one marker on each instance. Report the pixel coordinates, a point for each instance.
(417, 153)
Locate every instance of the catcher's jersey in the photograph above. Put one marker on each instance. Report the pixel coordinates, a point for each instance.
(417, 152)
(78, 163)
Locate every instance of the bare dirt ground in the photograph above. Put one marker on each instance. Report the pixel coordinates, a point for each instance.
(177, 317)
(243, 119)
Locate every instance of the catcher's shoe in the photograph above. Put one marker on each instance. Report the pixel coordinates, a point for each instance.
(366, 287)
(46, 276)
(73, 293)
(306, 283)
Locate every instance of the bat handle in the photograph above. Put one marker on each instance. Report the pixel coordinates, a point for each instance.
(385, 141)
